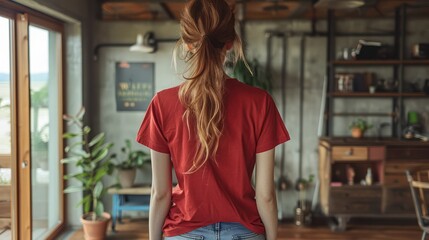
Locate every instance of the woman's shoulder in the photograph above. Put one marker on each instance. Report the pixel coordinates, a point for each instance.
(168, 93)
(247, 91)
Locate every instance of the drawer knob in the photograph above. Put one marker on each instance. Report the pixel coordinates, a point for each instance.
(349, 152)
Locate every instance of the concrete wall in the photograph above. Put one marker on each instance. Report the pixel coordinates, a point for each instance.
(121, 125)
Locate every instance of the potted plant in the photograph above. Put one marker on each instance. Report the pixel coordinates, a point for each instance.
(91, 155)
(127, 165)
(358, 128)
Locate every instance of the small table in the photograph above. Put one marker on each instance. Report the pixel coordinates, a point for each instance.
(136, 198)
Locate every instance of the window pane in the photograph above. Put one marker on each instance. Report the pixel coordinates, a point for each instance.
(5, 143)
(5, 130)
(44, 72)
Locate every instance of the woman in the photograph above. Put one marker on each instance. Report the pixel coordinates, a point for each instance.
(212, 130)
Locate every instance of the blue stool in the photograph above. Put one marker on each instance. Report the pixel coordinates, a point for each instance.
(130, 199)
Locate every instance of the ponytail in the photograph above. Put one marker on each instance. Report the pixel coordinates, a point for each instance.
(206, 26)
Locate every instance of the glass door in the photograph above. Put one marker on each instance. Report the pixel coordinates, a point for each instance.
(5, 130)
(45, 121)
(31, 175)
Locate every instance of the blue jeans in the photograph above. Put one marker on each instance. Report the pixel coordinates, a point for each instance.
(220, 231)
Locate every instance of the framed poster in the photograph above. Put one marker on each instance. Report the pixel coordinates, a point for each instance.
(134, 85)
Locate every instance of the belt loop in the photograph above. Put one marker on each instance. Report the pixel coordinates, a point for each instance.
(217, 226)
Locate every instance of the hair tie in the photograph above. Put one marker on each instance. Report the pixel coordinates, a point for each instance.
(215, 43)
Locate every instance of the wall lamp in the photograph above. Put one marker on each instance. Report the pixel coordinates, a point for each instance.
(146, 43)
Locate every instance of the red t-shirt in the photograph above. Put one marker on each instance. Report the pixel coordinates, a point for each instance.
(219, 191)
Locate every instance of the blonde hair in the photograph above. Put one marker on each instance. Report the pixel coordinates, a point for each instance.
(206, 26)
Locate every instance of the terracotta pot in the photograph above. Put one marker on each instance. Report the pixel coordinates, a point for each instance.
(357, 133)
(95, 230)
(126, 177)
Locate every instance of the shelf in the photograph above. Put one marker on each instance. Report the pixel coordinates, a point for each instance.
(345, 186)
(365, 62)
(377, 95)
(380, 62)
(345, 114)
(416, 62)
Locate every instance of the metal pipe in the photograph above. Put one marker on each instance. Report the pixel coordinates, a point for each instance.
(283, 86)
(301, 105)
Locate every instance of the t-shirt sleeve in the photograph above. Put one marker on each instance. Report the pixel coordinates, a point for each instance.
(151, 133)
(273, 131)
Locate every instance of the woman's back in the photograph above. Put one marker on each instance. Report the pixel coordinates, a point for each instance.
(221, 189)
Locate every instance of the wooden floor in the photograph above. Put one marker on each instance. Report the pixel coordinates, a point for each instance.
(357, 230)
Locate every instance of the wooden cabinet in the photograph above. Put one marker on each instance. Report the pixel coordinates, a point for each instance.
(389, 193)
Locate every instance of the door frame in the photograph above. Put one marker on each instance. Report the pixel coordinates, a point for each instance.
(21, 18)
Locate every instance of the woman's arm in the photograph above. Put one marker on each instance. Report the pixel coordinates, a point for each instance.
(265, 192)
(160, 199)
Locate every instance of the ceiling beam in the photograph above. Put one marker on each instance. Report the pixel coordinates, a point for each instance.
(184, 1)
(167, 10)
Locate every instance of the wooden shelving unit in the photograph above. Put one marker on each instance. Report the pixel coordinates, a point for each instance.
(385, 157)
(398, 66)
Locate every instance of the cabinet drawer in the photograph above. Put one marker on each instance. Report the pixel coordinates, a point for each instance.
(400, 167)
(401, 153)
(395, 180)
(376, 153)
(349, 153)
(398, 200)
(399, 208)
(355, 207)
(339, 194)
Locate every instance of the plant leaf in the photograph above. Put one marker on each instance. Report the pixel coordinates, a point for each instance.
(85, 199)
(98, 189)
(96, 139)
(80, 152)
(87, 205)
(86, 130)
(68, 148)
(100, 174)
(79, 176)
(73, 189)
(101, 155)
(128, 143)
(99, 208)
(70, 159)
(80, 114)
(116, 185)
(97, 150)
(69, 135)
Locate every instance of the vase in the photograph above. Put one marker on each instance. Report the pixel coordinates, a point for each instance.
(95, 230)
(357, 133)
(126, 177)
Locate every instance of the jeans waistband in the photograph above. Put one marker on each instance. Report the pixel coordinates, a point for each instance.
(219, 226)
